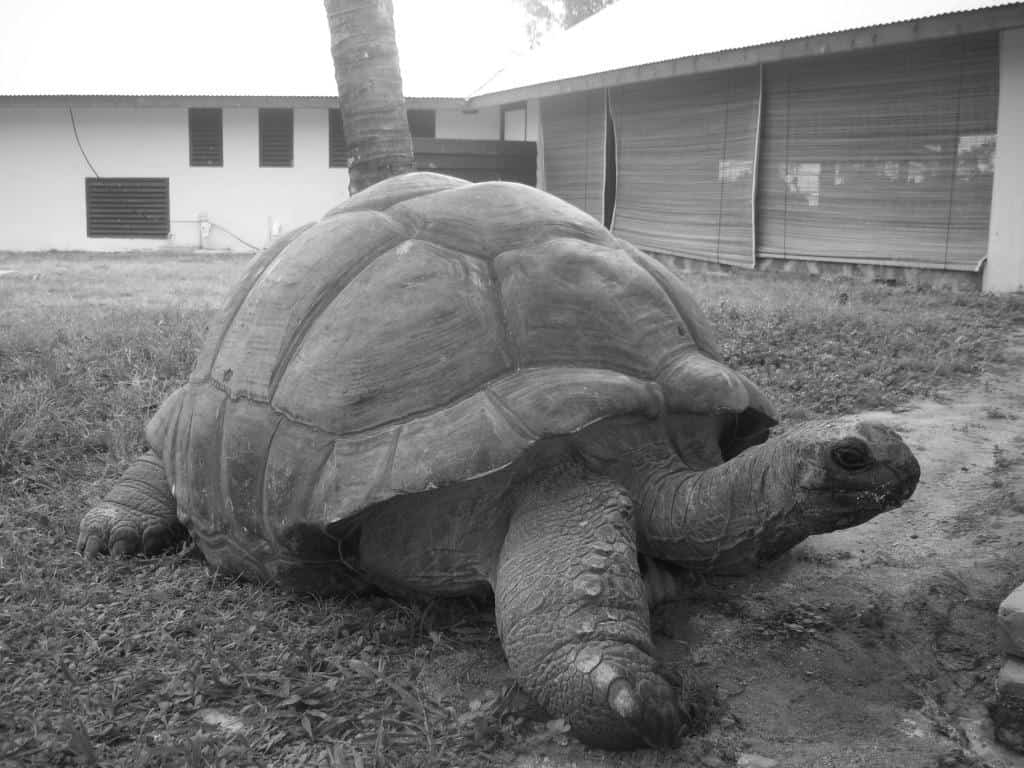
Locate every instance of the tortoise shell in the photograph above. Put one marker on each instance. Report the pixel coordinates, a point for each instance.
(425, 332)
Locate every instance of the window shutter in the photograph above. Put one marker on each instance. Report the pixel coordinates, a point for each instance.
(127, 207)
(881, 157)
(277, 128)
(422, 123)
(573, 127)
(685, 161)
(205, 137)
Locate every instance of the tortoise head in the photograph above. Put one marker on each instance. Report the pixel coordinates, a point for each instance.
(848, 471)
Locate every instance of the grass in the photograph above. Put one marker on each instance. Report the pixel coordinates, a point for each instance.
(161, 662)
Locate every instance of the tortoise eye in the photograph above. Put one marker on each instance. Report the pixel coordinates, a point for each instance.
(852, 454)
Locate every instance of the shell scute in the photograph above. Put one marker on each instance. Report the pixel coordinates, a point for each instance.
(490, 218)
(247, 434)
(560, 401)
(224, 319)
(296, 459)
(196, 474)
(418, 328)
(397, 189)
(469, 438)
(290, 293)
(570, 302)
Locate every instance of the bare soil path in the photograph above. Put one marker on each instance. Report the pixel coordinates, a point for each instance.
(873, 647)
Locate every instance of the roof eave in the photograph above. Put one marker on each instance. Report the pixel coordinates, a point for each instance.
(199, 100)
(932, 28)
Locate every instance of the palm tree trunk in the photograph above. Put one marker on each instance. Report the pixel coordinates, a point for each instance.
(370, 89)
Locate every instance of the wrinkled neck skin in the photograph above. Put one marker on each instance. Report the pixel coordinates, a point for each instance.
(729, 517)
(726, 518)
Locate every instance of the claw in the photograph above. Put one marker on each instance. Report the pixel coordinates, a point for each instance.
(124, 547)
(661, 724)
(156, 541)
(622, 700)
(91, 546)
(651, 710)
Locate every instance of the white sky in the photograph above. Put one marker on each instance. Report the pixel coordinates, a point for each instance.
(632, 32)
(446, 47)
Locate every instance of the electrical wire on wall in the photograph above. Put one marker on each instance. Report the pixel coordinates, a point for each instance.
(217, 226)
(232, 234)
(79, 142)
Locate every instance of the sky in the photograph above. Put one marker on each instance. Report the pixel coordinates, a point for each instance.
(446, 47)
(671, 29)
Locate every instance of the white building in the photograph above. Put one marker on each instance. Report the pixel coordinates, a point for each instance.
(190, 124)
(124, 172)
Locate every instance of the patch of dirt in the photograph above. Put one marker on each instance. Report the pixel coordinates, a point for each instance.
(867, 648)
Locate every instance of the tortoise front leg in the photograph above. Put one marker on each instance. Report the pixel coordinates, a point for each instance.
(137, 516)
(573, 616)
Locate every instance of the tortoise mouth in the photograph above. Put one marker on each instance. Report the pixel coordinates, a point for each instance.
(853, 496)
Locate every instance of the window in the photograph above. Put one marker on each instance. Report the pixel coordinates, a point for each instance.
(422, 123)
(337, 156)
(277, 134)
(513, 122)
(125, 207)
(205, 137)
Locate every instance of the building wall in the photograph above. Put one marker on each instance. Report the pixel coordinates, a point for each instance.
(477, 124)
(1004, 269)
(42, 186)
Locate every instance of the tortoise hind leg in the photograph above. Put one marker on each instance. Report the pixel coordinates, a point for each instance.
(572, 612)
(138, 516)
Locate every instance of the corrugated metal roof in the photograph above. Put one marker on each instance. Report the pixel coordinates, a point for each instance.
(632, 33)
(188, 47)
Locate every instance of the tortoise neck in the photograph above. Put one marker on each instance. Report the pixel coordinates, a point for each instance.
(725, 518)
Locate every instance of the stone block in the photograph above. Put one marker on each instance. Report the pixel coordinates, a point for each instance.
(1010, 623)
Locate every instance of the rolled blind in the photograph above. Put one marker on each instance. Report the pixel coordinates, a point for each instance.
(882, 156)
(574, 149)
(685, 159)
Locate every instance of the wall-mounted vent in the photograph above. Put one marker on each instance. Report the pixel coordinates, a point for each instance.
(277, 138)
(127, 207)
(205, 137)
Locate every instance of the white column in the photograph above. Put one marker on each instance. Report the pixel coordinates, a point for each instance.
(1004, 271)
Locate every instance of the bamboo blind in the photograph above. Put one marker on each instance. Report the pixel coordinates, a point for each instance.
(574, 149)
(685, 158)
(882, 156)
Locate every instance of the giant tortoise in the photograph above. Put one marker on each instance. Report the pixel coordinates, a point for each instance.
(443, 387)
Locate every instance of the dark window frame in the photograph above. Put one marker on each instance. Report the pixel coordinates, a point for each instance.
(337, 148)
(276, 137)
(514, 107)
(128, 207)
(206, 137)
(422, 123)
